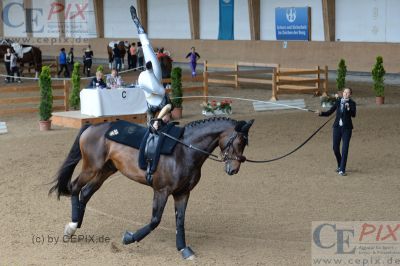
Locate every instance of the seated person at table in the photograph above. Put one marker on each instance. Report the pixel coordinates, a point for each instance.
(114, 80)
(97, 82)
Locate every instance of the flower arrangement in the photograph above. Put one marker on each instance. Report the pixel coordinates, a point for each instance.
(328, 101)
(216, 108)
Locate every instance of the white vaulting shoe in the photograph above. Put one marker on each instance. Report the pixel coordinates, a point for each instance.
(70, 228)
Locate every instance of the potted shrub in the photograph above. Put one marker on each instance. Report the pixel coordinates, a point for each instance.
(378, 73)
(46, 99)
(74, 98)
(176, 92)
(100, 68)
(341, 75)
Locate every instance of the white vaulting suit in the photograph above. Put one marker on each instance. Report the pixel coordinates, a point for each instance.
(150, 79)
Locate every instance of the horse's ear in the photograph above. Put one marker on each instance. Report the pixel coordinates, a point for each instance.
(240, 125)
(246, 127)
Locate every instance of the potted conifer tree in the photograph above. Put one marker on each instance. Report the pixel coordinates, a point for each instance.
(341, 75)
(176, 92)
(74, 98)
(378, 73)
(46, 99)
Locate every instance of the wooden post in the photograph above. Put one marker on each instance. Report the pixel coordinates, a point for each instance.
(325, 93)
(99, 17)
(318, 83)
(205, 82)
(236, 76)
(274, 91)
(194, 17)
(66, 95)
(57, 66)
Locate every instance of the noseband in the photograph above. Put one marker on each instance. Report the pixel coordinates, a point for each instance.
(228, 146)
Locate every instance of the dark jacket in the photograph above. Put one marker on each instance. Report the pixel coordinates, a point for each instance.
(92, 84)
(345, 115)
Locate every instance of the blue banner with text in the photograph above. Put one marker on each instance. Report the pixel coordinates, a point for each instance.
(293, 23)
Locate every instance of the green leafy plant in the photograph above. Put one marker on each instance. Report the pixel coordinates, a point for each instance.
(378, 73)
(46, 94)
(76, 87)
(176, 87)
(341, 75)
(100, 68)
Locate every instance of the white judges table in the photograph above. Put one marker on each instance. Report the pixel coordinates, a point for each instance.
(120, 101)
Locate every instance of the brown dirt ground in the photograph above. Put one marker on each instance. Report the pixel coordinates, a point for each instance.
(261, 216)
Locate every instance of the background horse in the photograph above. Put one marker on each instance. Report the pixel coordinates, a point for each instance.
(176, 174)
(122, 47)
(32, 57)
(166, 66)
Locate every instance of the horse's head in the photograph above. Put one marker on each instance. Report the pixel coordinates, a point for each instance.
(232, 145)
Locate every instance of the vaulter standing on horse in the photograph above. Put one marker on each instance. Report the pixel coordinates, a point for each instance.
(150, 79)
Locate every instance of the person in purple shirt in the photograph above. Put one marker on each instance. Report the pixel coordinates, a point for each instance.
(194, 56)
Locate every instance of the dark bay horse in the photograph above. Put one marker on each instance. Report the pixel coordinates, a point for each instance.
(166, 66)
(33, 57)
(176, 174)
(122, 47)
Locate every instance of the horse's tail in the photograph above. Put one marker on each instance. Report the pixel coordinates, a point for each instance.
(62, 179)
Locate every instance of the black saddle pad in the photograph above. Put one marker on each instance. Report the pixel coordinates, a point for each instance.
(133, 135)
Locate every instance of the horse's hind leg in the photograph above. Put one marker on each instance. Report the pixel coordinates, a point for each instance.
(83, 189)
(159, 201)
(180, 209)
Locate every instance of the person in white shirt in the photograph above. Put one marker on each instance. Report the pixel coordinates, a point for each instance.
(150, 79)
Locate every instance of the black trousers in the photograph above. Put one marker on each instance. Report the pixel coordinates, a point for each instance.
(65, 68)
(8, 68)
(343, 135)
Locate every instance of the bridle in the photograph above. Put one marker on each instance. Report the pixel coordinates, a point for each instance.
(229, 145)
(225, 151)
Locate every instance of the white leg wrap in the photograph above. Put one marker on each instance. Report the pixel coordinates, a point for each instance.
(70, 228)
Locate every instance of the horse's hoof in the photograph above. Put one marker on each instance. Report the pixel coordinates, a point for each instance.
(70, 229)
(187, 253)
(128, 238)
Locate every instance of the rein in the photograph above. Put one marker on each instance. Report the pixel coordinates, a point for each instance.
(242, 158)
(190, 146)
(297, 148)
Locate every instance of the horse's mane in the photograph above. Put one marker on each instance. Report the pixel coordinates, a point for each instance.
(208, 120)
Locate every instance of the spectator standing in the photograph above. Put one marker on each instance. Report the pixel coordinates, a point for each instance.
(117, 57)
(70, 59)
(62, 63)
(14, 67)
(140, 56)
(87, 60)
(194, 56)
(7, 61)
(133, 56)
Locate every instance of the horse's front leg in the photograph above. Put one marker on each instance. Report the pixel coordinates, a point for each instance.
(180, 209)
(159, 201)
